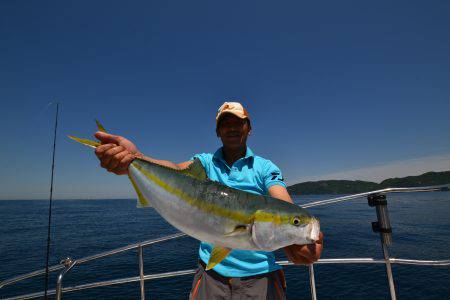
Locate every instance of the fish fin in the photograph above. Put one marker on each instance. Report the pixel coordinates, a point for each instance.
(217, 255)
(90, 143)
(239, 230)
(142, 202)
(195, 170)
(100, 126)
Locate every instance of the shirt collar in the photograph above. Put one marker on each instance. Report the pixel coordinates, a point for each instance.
(219, 154)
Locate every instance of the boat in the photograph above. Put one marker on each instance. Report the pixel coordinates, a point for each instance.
(377, 199)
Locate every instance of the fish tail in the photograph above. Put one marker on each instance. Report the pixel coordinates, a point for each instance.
(90, 143)
(87, 142)
(100, 126)
(142, 202)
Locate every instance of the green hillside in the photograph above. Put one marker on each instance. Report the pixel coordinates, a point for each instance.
(357, 186)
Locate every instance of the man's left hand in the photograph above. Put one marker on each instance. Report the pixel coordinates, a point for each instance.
(305, 254)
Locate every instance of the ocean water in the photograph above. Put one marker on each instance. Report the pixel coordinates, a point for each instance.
(421, 230)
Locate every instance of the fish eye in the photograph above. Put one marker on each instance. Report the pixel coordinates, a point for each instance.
(295, 221)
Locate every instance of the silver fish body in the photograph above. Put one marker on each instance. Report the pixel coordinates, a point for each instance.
(217, 214)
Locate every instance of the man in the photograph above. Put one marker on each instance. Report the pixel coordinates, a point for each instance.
(242, 274)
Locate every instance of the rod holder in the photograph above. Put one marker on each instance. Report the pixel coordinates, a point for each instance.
(383, 224)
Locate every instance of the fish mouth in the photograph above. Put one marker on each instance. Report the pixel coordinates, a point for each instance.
(314, 230)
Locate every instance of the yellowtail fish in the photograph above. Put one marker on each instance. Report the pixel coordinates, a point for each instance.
(211, 212)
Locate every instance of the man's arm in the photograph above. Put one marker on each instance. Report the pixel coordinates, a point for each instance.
(298, 254)
(116, 154)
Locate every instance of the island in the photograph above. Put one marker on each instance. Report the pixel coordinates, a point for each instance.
(336, 187)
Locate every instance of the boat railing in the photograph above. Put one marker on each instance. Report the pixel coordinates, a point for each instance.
(376, 199)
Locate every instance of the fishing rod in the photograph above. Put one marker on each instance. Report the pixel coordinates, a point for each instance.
(50, 205)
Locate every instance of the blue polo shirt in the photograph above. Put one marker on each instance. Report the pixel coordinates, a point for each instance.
(252, 174)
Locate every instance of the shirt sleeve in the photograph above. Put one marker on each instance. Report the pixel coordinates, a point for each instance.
(272, 175)
(203, 157)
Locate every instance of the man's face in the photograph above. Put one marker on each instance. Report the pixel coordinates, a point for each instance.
(233, 131)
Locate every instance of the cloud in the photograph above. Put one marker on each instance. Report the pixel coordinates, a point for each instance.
(409, 167)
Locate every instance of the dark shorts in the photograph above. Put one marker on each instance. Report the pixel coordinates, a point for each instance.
(209, 285)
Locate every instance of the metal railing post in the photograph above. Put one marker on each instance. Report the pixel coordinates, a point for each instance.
(68, 265)
(389, 272)
(383, 226)
(141, 272)
(312, 282)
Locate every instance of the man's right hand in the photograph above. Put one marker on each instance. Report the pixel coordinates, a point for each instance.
(116, 152)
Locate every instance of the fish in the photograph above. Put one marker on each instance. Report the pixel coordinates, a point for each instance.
(214, 213)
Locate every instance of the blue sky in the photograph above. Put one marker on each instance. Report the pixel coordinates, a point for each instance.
(334, 88)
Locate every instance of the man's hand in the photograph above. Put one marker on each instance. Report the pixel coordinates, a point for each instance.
(116, 152)
(305, 254)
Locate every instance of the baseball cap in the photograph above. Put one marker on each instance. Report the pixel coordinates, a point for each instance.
(234, 108)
